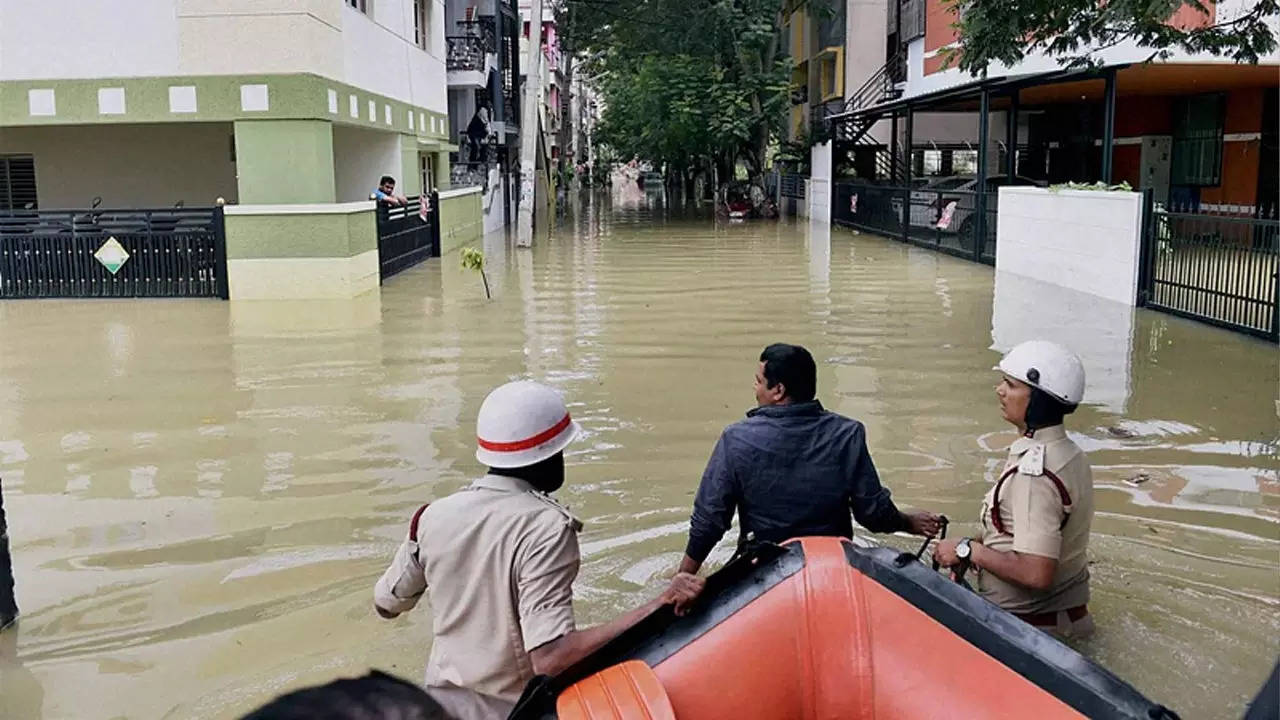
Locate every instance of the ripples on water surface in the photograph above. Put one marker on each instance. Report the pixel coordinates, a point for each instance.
(201, 494)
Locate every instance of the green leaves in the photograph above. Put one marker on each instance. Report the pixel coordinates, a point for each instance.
(1076, 31)
(472, 259)
(687, 82)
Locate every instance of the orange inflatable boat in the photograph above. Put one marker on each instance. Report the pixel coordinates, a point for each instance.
(819, 629)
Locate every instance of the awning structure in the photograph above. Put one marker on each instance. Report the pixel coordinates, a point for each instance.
(436, 146)
(962, 97)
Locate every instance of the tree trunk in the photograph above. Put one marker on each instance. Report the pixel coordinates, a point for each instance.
(755, 154)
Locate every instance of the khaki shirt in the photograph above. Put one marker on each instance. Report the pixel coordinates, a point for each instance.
(1032, 512)
(500, 559)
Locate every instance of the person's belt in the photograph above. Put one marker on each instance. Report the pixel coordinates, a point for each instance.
(1050, 619)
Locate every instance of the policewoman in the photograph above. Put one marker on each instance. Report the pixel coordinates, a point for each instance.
(500, 558)
(1031, 557)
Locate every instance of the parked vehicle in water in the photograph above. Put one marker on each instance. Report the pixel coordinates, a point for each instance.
(932, 204)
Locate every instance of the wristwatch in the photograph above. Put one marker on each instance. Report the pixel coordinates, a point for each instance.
(963, 550)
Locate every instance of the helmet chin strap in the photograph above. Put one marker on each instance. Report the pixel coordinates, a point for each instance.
(1043, 410)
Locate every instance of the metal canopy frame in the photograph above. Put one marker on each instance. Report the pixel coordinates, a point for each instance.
(984, 91)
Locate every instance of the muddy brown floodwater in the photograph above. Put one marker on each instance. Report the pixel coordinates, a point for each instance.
(201, 494)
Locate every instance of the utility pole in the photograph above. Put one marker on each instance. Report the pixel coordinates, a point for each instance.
(529, 128)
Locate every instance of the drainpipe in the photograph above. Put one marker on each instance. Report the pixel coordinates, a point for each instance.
(1108, 125)
(8, 604)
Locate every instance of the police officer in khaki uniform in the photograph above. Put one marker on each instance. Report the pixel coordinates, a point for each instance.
(1031, 559)
(500, 558)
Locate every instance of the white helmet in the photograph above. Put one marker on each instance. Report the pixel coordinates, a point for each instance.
(1048, 366)
(522, 423)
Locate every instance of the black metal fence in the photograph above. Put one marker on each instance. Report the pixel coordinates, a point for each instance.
(957, 222)
(176, 252)
(791, 185)
(1220, 269)
(407, 235)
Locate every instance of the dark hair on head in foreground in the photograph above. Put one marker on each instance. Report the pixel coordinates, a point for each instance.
(387, 179)
(792, 366)
(376, 696)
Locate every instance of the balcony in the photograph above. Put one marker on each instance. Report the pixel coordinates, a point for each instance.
(467, 62)
(482, 27)
(469, 174)
(465, 52)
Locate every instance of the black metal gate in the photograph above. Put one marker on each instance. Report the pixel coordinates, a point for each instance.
(954, 221)
(792, 186)
(408, 234)
(1218, 269)
(176, 252)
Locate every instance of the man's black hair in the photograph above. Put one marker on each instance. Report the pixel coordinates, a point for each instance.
(792, 366)
(386, 179)
(376, 696)
(547, 476)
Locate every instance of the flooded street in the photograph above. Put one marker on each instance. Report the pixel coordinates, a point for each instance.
(201, 494)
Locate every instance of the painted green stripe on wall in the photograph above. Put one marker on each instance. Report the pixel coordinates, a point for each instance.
(217, 99)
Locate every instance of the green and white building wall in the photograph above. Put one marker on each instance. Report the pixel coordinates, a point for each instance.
(287, 110)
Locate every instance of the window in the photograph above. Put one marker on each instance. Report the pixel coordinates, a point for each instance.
(18, 182)
(1197, 140)
(361, 5)
(932, 162)
(912, 20)
(422, 23)
(427, 167)
(830, 74)
(964, 162)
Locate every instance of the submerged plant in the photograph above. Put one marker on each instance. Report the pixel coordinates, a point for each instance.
(473, 259)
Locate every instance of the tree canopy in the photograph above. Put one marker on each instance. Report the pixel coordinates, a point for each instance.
(1076, 31)
(690, 84)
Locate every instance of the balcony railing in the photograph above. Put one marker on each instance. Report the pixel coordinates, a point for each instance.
(482, 27)
(465, 52)
(469, 174)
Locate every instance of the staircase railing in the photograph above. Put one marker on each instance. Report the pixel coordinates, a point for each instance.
(878, 88)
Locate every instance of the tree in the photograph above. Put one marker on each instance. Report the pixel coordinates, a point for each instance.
(1006, 31)
(693, 86)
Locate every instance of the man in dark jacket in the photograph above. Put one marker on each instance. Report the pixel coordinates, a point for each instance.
(791, 468)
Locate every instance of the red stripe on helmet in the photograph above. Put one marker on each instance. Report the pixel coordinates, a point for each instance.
(527, 443)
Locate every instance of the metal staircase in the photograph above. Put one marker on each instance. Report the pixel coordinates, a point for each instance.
(851, 132)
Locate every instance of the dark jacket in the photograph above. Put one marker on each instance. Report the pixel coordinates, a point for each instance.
(790, 470)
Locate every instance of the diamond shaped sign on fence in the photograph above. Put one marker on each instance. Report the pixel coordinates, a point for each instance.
(112, 255)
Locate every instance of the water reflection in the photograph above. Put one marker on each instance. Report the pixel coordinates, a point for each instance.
(1100, 331)
(21, 695)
